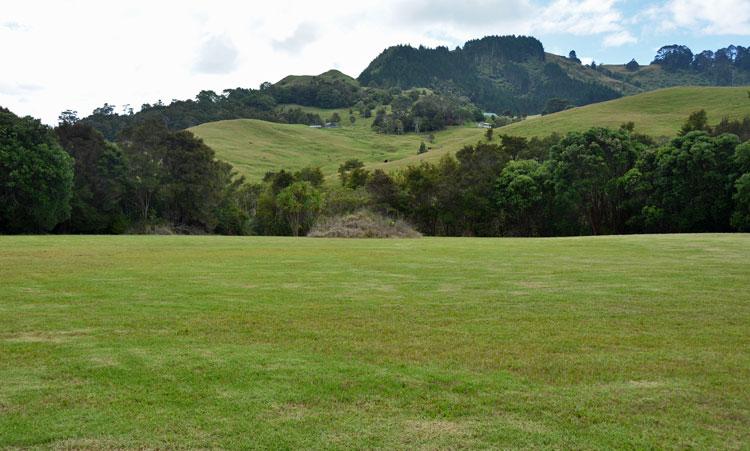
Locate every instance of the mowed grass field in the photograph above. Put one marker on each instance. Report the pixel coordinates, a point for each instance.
(639, 342)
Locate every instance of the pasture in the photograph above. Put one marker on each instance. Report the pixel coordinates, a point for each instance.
(204, 342)
(255, 147)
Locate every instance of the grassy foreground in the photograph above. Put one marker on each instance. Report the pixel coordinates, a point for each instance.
(202, 342)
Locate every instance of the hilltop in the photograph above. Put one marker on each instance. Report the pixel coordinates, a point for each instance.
(508, 75)
(497, 73)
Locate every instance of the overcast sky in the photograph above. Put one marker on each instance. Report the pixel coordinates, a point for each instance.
(78, 54)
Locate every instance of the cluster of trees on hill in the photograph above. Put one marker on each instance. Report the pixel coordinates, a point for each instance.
(207, 106)
(721, 64)
(323, 91)
(425, 113)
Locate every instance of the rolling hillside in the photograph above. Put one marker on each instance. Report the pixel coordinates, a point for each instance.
(255, 147)
(659, 114)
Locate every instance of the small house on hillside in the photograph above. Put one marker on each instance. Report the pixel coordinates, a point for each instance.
(331, 125)
(484, 125)
(316, 126)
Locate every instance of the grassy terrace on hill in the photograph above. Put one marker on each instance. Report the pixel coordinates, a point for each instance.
(659, 114)
(255, 147)
(213, 342)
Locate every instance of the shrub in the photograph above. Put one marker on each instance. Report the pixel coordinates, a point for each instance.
(362, 224)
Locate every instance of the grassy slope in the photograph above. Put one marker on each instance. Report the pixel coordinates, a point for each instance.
(255, 147)
(215, 342)
(651, 77)
(658, 113)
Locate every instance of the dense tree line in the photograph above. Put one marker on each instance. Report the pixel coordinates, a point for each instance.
(598, 182)
(72, 180)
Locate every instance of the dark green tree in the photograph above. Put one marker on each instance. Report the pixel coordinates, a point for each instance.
(521, 197)
(36, 176)
(97, 205)
(193, 183)
(741, 195)
(698, 121)
(687, 185)
(143, 147)
(353, 174)
(299, 204)
(588, 172)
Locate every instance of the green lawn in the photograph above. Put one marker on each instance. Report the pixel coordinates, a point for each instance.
(203, 342)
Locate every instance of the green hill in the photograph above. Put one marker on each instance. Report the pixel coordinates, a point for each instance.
(331, 76)
(659, 114)
(497, 73)
(255, 147)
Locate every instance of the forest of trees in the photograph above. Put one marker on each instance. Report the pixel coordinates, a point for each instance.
(71, 180)
(497, 73)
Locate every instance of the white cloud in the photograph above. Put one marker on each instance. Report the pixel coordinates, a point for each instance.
(11, 89)
(305, 34)
(580, 17)
(465, 13)
(618, 39)
(715, 17)
(13, 26)
(217, 55)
